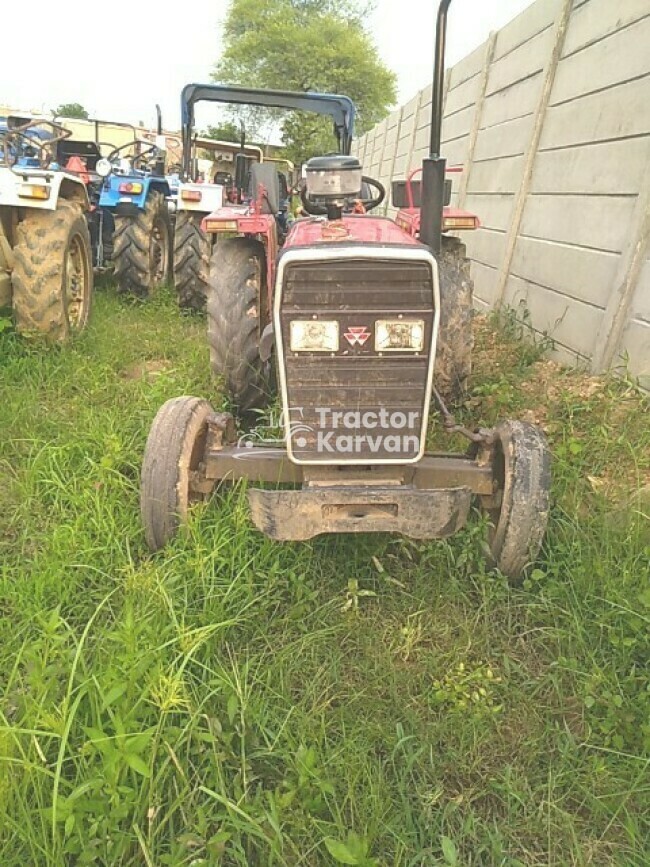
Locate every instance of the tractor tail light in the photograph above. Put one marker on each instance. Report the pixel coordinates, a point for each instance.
(191, 195)
(450, 223)
(221, 225)
(130, 187)
(34, 191)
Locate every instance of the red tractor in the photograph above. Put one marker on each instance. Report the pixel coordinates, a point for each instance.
(352, 313)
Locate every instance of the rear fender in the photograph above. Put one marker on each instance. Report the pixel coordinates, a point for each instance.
(111, 196)
(237, 220)
(211, 198)
(58, 184)
(453, 220)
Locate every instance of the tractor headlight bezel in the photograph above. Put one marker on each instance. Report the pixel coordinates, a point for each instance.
(103, 167)
(399, 335)
(314, 335)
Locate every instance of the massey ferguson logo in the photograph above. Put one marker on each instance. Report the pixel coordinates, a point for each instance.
(356, 335)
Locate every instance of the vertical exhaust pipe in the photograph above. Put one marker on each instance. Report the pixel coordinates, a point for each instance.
(433, 166)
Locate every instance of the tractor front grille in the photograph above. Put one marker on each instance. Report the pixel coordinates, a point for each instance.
(358, 404)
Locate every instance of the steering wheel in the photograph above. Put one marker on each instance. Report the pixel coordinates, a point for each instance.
(320, 211)
(135, 159)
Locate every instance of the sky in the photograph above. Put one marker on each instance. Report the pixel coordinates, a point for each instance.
(151, 56)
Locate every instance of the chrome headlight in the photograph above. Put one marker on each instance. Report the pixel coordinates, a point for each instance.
(103, 168)
(399, 335)
(311, 335)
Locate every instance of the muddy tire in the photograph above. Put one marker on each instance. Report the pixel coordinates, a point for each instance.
(191, 261)
(519, 509)
(455, 340)
(175, 447)
(237, 271)
(142, 248)
(52, 279)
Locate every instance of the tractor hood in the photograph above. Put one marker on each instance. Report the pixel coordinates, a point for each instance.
(351, 229)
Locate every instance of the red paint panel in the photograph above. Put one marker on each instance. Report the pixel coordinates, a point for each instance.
(351, 229)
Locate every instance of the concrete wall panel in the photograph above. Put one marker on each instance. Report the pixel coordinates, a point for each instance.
(571, 322)
(619, 57)
(531, 21)
(548, 263)
(507, 139)
(619, 112)
(598, 18)
(516, 101)
(598, 222)
(614, 167)
(521, 63)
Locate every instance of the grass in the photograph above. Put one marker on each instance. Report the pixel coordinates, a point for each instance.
(365, 701)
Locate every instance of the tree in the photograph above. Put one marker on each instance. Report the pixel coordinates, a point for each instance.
(72, 109)
(318, 45)
(226, 131)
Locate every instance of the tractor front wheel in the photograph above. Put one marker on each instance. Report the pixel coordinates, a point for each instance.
(52, 279)
(519, 508)
(142, 248)
(237, 271)
(174, 450)
(191, 261)
(455, 340)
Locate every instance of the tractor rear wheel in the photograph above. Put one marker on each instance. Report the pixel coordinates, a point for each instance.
(519, 508)
(191, 261)
(174, 449)
(142, 248)
(237, 272)
(455, 340)
(53, 275)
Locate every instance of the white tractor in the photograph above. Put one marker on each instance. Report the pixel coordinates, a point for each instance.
(46, 273)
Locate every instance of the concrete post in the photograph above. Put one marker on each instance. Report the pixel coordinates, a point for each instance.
(476, 124)
(387, 202)
(632, 258)
(411, 147)
(531, 152)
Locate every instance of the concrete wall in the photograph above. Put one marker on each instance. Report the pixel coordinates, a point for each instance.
(550, 119)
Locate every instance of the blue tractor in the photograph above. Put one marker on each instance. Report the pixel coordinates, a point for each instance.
(130, 222)
(135, 192)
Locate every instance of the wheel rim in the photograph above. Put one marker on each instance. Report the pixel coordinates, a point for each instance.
(196, 454)
(158, 252)
(76, 282)
(495, 505)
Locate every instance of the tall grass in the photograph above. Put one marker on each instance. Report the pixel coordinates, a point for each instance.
(366, 701)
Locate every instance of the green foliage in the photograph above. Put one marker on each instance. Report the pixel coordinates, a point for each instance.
(234, 701)
(306, 45)
(470, 690)
(226, 131)
(71, 109)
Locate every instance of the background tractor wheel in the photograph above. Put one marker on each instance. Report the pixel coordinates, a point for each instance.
(191, 261)
(455, 340)
(237, 272)
(519, 509)
(52, 276)
(142, 248)
(174, 448)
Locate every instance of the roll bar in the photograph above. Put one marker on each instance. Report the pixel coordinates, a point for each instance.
(340, 108)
